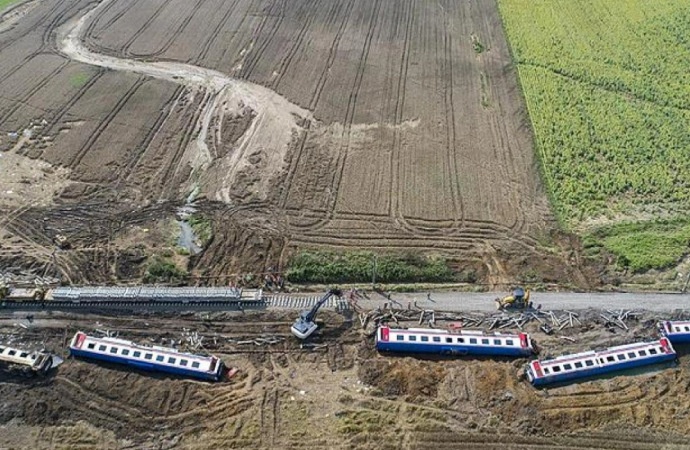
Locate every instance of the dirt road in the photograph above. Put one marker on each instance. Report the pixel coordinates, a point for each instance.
(470, 301)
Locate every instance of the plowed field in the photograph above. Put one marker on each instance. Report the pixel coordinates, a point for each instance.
(394, 125)
(339, 395)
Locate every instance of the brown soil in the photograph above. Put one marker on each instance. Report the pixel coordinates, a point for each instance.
(411, 139)
(343, 395)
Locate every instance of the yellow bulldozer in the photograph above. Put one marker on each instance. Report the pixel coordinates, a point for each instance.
(519, 299)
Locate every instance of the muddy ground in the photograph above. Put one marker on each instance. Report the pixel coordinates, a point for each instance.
(340, 394)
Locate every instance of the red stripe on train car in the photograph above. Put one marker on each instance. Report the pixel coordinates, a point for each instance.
(385, 333)
(537, 369)
(80, 340)
(523, 340)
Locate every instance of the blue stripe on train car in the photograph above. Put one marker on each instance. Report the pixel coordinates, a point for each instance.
(445, 349)
(678, 338)
(150, 367)
(596, 371)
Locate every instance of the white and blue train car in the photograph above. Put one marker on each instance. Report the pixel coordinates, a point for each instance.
(677, 331)
(593, 363)
(144, 357)
(446, 342)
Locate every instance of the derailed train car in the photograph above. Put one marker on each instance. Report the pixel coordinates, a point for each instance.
(578, 366)
(148, 358)
(452, 342)
(677, 331)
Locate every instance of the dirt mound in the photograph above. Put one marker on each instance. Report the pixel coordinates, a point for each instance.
(403, 377)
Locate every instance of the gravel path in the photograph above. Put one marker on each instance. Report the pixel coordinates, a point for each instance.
(464, 301)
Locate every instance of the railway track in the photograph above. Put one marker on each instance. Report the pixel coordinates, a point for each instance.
(87, 306)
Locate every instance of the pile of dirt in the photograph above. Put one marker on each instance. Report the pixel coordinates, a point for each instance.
(407, 377)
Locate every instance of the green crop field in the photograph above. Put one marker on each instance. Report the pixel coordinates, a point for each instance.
(4, 4)
(607, 86)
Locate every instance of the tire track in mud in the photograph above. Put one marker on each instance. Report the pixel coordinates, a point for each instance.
(124, 51)
(284, 65)
(31, 29)
(88, 33)
(350, 112)
(332, 52)
(75, 98)
(166, 112)
(316, 95)
(5, 115)
(276, 117)
(105, 122)
(114, 19)
(180, 29)
(255, 55)
(167, 172)
(214, 35)
(450, 123)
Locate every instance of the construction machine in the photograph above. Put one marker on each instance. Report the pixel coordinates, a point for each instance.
(305, 325)
(519, 299)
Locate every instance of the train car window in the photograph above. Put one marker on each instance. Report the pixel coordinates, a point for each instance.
(485, 341)
(621, 357)
(425, 338)
(642, 353)
(589, 363)
(12, 352)
(610, 359)
(113, 349)
(567, 367)
(449, 340)
(101, 348)
(413, 338)
(436, 339)
(137, 354)
(546, 370)
(556, 369)
(578, 365)
(2, 349)
(473, 341)
(652, 351)
(461, 340)
(183, 362)
(171, 360)
(195, 365)
(125, 351)
(148, 356)
(631, 355)
(687, 328)
(509, 342)
(91, 346)
(677, 328)
(497, 342)
(160, 358)
(23, 355)
(400, 337)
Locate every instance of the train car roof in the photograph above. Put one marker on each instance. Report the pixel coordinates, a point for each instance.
(149, 348)
(453, 332)
(607, 351)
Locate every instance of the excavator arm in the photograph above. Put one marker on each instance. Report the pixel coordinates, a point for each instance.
(305, 324)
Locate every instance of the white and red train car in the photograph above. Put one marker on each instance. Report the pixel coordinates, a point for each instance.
(577, 366)
(149, 358)
(677, 331)
(447, 342)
